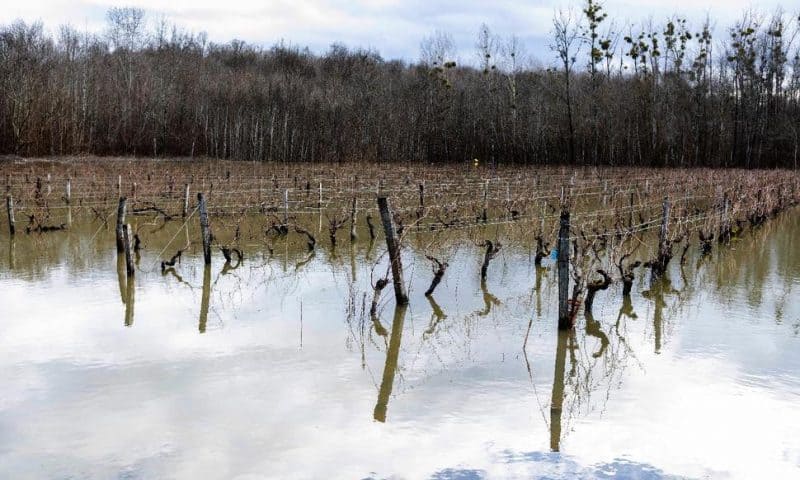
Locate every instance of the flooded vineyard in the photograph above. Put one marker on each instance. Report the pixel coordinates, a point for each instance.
(273, 343)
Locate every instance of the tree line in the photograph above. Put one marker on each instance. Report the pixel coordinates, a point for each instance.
(653, 94)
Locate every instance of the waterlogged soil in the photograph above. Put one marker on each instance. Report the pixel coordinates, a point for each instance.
(273, 368)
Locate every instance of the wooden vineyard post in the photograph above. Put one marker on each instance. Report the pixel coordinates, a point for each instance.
(485, 200)
(68, 192)
(353, 211)
(12, 228)
(663, 235)
(185, 200)
(630, 213)
(726, 221)
(205, 228)
(421, 210)
(393, 245)
(120, 224)
(286, 206)
(663, 257)
(564, 320)
(129, 266)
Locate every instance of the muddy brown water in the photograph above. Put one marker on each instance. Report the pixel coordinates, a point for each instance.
(273, 369)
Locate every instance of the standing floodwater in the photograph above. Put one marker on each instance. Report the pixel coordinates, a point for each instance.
(273, 366)
(201, 319)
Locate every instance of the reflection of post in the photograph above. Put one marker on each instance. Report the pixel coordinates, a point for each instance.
(656, 294)
(205, 299)
(557, 402)
(353, 262)
(658, 316)
(121, 274)
(129, 296)
(11, 255)
(390, 367)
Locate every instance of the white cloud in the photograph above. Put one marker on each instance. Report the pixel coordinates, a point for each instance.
(392, 27)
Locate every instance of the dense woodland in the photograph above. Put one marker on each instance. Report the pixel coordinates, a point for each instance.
(655, 94)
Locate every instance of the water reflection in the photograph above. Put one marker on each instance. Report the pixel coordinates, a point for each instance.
(12, 245)
(437, 315)
(566, 341)
(456, 378)
(489, 300)
(121, 278)
(659, 288)
(205, 299)
(540, 273)
(594, 329)
(390, 367)
(130, 294)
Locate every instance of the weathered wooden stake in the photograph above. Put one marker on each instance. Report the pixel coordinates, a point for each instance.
(421, 210)
(68, 191)
(319, 204)
(353, 235)
(286, 206)
(205, 228)
(394, 251)
(564, 320)
(119, 185)
(120, 223)
(185, 200)
(630, 213)
(485, 200)
(12, 228)
(663, 236)
(126, 234)
(726, 221)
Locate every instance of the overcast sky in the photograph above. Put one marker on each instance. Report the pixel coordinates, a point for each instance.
(393, 27)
